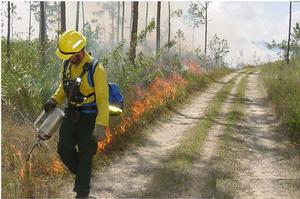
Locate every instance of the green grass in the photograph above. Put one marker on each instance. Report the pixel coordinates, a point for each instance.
(282, 82)
(174, 172)
(227, 164)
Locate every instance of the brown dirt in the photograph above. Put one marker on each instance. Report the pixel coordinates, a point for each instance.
(134, 169)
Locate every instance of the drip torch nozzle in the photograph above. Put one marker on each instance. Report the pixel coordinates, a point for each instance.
(37, 144)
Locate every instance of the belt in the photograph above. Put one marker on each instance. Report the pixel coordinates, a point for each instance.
(84, 109)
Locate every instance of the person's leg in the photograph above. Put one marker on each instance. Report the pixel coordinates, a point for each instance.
(87, 147)
(66, 145)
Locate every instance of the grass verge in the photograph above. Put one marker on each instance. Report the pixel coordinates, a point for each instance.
(174, 173)
(282, 84)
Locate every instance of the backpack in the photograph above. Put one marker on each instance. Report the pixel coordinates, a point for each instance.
(115, 99)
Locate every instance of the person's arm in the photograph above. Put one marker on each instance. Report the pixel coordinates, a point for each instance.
(101, 92)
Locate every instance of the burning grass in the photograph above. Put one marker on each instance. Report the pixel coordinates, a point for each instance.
(150, 101)
(44, 174)
(22, 179)
(158, 93)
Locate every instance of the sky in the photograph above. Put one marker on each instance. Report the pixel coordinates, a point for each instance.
(246, 25)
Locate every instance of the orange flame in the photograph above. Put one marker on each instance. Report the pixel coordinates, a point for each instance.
(57, 166)
(102, 144)
(194, 68)
(21, 173)
(19, 154)
(160, 90)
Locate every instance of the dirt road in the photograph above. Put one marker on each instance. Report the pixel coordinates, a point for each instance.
(269, 163)
(262, 164)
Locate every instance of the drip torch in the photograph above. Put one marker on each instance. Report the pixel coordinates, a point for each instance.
(46, 125)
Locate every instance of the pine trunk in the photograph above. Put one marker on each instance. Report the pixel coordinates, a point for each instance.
(82, 16)
(77, 16)
(63, 16)
(29, 29)
(58, 19)
(133, 41)
(131, 13)
(146, 23)
(42, 33)
(123, 20)
(169, 27)
(205, 39)
(112, 31)
(118, 22)
(158, 28)
(8, 34)
(193, 35)
(289, 36)
(12, 8)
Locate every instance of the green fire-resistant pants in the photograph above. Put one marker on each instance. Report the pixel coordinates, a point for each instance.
(79, 162)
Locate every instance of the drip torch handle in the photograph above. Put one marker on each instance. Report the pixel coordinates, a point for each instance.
(38, 119)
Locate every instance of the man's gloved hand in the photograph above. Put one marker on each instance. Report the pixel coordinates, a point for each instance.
(50, 105)
(99, 133)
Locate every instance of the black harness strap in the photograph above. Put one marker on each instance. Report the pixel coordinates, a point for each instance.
(86, 67)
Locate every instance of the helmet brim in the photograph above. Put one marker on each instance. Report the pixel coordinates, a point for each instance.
(62, 56)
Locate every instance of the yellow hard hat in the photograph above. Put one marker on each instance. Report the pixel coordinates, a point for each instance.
(70, 42)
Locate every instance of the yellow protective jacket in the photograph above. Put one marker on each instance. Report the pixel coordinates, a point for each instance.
(100, 88)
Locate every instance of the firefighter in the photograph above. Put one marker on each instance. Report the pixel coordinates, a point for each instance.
(87, 111)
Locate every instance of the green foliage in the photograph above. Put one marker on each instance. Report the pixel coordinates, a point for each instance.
(218, 49)
(179, 36)
(25, 84)
(94, 38)
(176, 13)
(282, 82)
(195, 15)
(150, 27)
(294, 45)
(52, 14)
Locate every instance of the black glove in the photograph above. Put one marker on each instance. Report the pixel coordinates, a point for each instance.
(50, 105)
(99, 133)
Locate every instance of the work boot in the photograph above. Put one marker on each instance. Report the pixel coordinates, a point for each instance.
(78, 195)
(84, 196)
